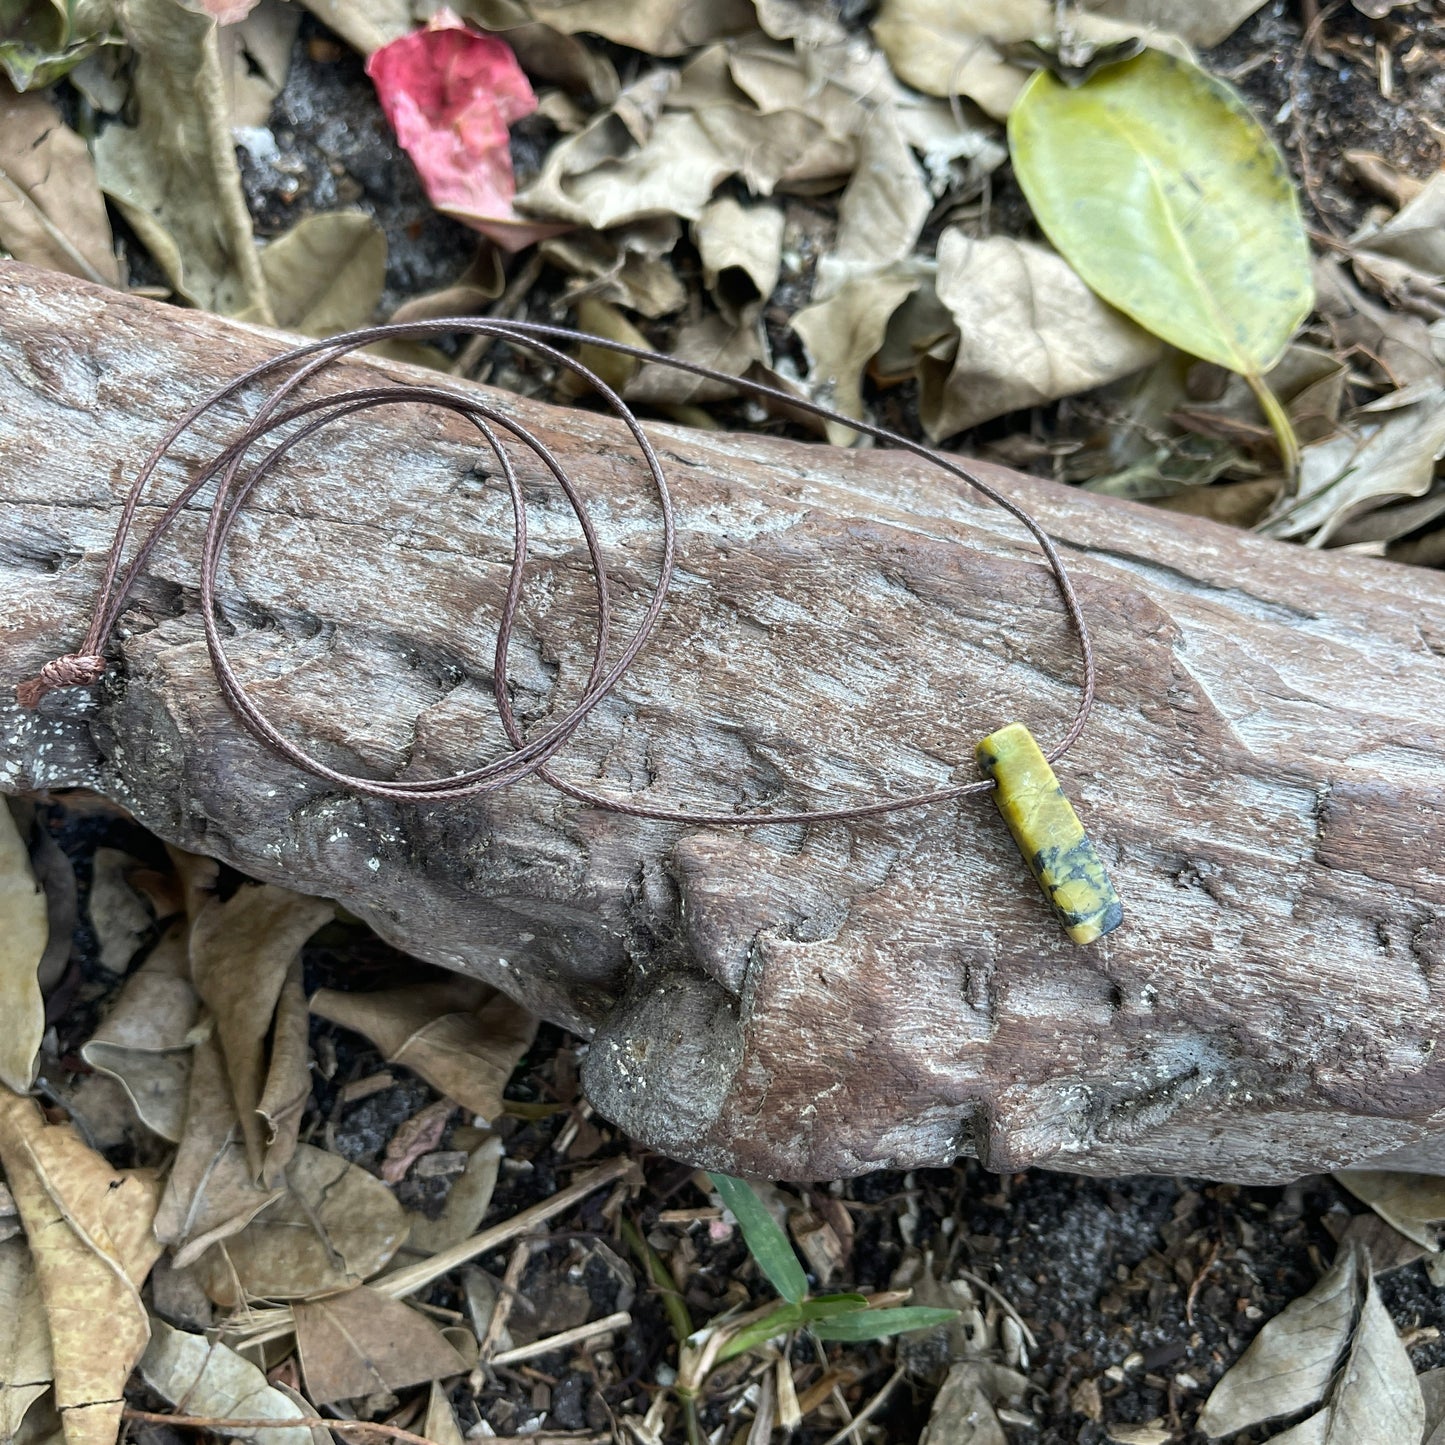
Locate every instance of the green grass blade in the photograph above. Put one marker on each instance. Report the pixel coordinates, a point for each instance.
(879, 1324)
(829, 1306)
(775, 1322)
(764, 1237)
(662, 1280)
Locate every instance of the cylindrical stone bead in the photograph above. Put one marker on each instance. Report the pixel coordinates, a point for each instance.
(1049, 834)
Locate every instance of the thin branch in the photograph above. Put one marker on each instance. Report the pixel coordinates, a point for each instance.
(604, 1326)
(870, 1409)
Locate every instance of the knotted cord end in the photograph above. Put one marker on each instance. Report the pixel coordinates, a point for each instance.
(75, 669)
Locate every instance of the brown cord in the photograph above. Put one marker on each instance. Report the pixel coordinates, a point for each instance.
(530, 756)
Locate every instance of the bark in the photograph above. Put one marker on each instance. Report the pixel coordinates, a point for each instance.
(1264, 774)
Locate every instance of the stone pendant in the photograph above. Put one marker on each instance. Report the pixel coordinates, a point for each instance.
(1049, 834)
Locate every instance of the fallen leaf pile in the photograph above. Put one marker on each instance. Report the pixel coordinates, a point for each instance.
(785, 193)
(207, 1036)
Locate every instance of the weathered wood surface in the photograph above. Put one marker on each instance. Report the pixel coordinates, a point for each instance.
(1265, 773)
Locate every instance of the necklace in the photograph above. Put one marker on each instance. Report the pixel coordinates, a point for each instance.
(1014, 767)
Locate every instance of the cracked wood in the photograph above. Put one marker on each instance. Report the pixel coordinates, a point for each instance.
(1262, 776)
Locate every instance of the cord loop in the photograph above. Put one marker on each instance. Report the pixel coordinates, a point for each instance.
(530, 755)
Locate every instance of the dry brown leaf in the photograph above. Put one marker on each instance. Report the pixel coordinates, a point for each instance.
(22, 946)
(461, 1036)
(363, 1342)
(944, 48)
(545, 53)
(118, 914)
(174, 173)
(288, 1075)
(365, 26)
(881, 212)
(417, 1136)
(741, 248)
(144, 1041)
(1376, 1399)
(628, 266)
(1030, 331)
(211, 1379)
(326, 273)
(89, 1228)
(467, 1202)
(963, 1412)
(809, 24)
(51, 211)
(333, 1227)
(1413, 1204)
(42, 1425)
(198, 877)
(468, 295)
(846, 86)
(1200, 22)
(668, 142)
(177, 1297)
(1346, 476)
(242, 952)
(255, 58)
(210, 1191)
(844, 332)
(440, 1425)
(1289, 1363)
(1400, 342)
(1412, 241)
(25, 1365)
(659, 27)
(711, 341)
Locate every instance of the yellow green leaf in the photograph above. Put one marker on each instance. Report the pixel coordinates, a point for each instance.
(1167, 196)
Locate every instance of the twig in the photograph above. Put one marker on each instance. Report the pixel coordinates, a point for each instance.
(402, 1282)
(272, 1324)
(870, 1409)
(503, 1306)
(1197, 1281)
(1308, 179)
(606, 1325)
(504, 306)
(1003, 1304)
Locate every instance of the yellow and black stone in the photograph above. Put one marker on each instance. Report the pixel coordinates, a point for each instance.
(1049, 834)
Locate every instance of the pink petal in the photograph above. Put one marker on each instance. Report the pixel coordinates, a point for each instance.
(450, 93)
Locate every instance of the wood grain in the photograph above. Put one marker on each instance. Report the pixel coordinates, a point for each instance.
(1264, 775)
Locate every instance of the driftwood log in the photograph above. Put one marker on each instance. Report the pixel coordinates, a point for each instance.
(1264, 774)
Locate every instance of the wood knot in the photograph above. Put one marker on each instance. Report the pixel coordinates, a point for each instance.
(75, 669)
